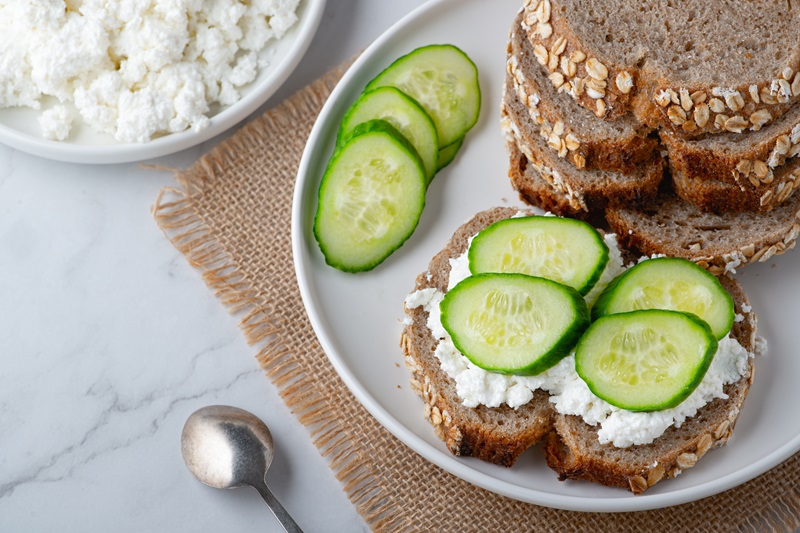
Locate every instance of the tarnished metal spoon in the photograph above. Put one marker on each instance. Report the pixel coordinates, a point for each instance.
(227, 447)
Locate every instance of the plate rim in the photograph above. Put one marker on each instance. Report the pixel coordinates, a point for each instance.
(305, 31)
(446, 461)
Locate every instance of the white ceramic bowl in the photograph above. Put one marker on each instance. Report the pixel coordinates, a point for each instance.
(19, 127)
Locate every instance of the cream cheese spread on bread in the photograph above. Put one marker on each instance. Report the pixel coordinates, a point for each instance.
(569, 393)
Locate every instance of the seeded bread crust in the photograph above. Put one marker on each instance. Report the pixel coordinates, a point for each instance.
(497, 435)
(586, 191)
(739, 159)
(535, 190)
(721, 197)
(718, 242)
(591, 84)
(571, 131)
(659, 97)
(574, 451)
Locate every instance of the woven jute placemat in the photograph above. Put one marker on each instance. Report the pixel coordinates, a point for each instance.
(230, 216)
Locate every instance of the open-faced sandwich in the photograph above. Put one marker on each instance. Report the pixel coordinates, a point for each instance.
(527, 328)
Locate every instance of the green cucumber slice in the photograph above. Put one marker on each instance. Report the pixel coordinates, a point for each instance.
(370, 198)
(402, 112)
(645, 360)
(445, 83)
(513, 323)
(669, 283)
(448, 153)
(561, 249)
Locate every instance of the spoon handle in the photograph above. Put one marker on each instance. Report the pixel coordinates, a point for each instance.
(277, 509)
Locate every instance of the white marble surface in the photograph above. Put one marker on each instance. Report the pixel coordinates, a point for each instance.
(109, 340)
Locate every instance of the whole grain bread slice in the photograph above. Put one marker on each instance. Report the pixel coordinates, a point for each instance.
(574, 451)
(586, 190)
(718, 242)
(737, 158)
(693, 67)
(718, 196)
(571, 131)
(497, 435)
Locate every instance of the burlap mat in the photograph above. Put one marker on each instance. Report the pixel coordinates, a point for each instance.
(230, 216)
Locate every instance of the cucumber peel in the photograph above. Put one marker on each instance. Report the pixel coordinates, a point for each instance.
(444, 81)
(448, 154)
(513, 323)
(645, 360)
(370, 199)
(565, 250)
(402, 112)
(669, 283)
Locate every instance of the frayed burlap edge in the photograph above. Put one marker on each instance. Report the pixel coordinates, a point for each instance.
(182, 223)
(180, 213)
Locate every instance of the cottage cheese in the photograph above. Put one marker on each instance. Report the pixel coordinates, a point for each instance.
(568, 392)
(133, 69)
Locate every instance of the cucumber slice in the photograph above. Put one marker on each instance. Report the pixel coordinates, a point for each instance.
(645, 360)
(370, 198)
(445, 83)
(448, 153)
(561, 249)
(669, 283)
(402, 112)
(513, 323)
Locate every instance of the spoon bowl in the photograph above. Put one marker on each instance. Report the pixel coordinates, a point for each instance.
(226, 447)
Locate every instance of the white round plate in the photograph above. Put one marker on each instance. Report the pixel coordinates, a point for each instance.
(358, 317)
(19, 127)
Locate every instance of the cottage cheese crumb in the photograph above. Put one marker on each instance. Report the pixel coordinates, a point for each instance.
(761, 346)
(56, 122)
(133, 70)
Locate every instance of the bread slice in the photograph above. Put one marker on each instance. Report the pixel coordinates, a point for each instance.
(497, 435)
(585, 190)
(718, 196)
(750, 158)
(535, 190)
(693, 66)
(574, 451)
(571, 131)
(719, 242)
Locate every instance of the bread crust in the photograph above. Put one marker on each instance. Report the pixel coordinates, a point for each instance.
(723, 241)
(499, 435)
(655, 99)
(754, 167)
(554, 35)
(615, 153)
(574, 192)
(717, 196)
(577, 195)
(535, 190)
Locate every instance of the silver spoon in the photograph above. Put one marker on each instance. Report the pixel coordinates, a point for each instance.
(227, 447)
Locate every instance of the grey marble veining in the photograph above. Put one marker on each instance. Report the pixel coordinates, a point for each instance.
(109, 340)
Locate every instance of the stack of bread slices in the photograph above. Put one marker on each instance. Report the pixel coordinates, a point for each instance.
(675, 123)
